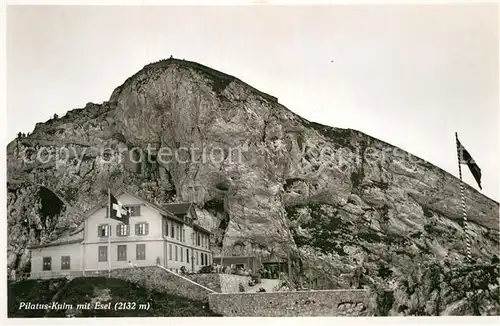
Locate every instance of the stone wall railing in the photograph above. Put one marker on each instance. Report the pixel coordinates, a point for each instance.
(288, 304)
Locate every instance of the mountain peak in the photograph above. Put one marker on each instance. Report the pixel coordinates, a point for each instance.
(263, 179)
(219, 79)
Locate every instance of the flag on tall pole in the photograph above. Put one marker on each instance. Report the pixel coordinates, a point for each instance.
(464, 157)
(109, 235)
(117, 212)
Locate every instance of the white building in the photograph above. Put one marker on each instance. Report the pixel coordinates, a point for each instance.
(166, 235)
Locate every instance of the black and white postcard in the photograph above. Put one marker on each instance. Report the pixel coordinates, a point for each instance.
(251, 160)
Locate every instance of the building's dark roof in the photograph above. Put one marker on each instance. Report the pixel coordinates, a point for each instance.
(177, 208)
(196, 226)
(74, 237)
(120, 191)
(174, 211)
(273, 259)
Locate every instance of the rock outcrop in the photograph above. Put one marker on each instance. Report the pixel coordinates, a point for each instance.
(264, 180)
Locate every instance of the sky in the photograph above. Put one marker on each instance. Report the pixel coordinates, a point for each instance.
(410, 75)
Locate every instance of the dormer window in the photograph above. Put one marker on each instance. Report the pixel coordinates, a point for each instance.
(135, 210)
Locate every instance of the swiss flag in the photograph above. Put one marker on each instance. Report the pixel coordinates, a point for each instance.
(117, 211)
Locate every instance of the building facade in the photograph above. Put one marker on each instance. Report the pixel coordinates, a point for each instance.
(168, 235)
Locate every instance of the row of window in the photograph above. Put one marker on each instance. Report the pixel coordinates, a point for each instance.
(201, 240)
(204, 258)
(122, 230)
(65, 263)
(176, 252)
(175, 231)
(140, 252)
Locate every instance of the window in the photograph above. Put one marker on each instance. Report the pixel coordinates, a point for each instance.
(135, 210)
(103, 253)
(102, 230)
(187, 255)
(197, 260)
(122, 253)
(47, 263)
(166, 228)
(175, 253)
(141, 229)
(182, 254)
(140, 252)
(122, 230)
(202, 259)
(177, 234)
(170, 251)
(172, 229)
(198, 238)
(183, 235)
(65, 262)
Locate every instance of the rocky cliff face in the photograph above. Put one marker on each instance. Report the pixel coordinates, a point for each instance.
(264, 180)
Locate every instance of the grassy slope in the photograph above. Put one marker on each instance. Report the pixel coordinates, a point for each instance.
(83, 290)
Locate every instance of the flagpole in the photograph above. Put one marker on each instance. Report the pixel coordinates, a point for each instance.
(109, 234)
(462, 197)
(222, 255)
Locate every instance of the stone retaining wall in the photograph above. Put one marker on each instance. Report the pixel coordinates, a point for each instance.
(211, 281)
(222, 283)
(300, 303)
(231, 283)
(160, 279)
